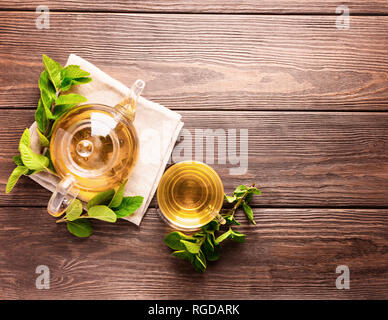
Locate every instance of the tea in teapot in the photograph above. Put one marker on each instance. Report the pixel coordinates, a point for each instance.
(93, 148)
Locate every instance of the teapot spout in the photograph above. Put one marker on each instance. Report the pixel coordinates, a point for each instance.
(128, 105)
(136, 89)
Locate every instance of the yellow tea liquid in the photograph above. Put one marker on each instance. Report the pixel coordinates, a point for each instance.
(95, 147)
(190, 194)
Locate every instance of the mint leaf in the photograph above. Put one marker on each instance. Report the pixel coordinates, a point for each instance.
(248, 198)
(254, 190)
(128, 206)
(173, 240)
(103, 213)
(240, 190)
(45, 84)
(29, 158)
(212, 255)
(18, 160)
(230, 199)
(47, 101)
(67, 83)
(53, 69)
(25, 139)
(224, 236)
(73, 71)
(118, 197)
(213, 225)
(32, 160)
(30, 172)
(191, 247)
(213, 239)
(231, 220)
(43, 140)
(209, 250)
(183, 254)
(101, 198)
(81, 228)
(74, 210)
(199, 262)
(237, 236)
(60, 110)
(208, 243)
(41, 117)
(65, 102)
(14, 177)
(73, 75)
(69, 99)
(248, 211)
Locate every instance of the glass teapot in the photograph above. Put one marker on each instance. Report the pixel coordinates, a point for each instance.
(93, 148)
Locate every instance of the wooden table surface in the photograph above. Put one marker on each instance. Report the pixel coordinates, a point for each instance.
(315, 101)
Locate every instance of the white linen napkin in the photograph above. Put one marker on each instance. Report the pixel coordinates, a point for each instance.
(157, 128)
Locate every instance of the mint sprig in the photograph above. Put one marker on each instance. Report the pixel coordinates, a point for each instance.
(53, 82)
(107, 206)
(204, 245)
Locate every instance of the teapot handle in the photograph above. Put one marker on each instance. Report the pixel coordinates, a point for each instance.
(63, 196)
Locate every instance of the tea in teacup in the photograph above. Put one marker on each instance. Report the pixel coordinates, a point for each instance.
(190, 195)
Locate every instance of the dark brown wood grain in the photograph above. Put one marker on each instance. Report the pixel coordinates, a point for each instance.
(298, 159)
(208, 6)
(202, 62)
(291, 253)
(315, 102)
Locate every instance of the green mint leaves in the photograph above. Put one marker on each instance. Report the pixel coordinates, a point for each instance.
(65, 102)
(29, 158)
(27, 162)
(73, 75)
(128, 206)
(107, 206)
(204, 246)
(173, 240)
(103, 213)
(53, 69)
(81, 228)
(74, 211)
(101, 198)
(53, 81)
(242, 195)
(14, 177)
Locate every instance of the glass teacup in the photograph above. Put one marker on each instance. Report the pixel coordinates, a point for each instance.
(190, 195)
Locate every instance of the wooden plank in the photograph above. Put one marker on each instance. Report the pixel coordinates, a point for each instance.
(290, 254)
(297, 158)
(208, 6)
(202, 62)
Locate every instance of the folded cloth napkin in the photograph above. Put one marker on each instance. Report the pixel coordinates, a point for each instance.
(157, 128)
